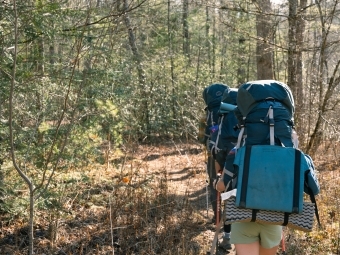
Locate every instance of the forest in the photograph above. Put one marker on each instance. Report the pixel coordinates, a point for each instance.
(100, 102)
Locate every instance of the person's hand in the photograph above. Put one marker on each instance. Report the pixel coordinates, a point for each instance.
(218, 177)
(220, 187)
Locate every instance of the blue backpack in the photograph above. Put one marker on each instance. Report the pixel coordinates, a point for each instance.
(254, 101)
(272, 173)
(225, 137)
(212, 96)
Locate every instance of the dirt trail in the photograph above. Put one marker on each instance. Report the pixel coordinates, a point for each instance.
(186, 171)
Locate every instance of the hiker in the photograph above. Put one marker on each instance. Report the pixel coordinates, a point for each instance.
(221, 142)
(249, 238)
(212, 96)
(252, 238)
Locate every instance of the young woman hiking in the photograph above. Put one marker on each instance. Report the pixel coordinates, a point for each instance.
(251, 238)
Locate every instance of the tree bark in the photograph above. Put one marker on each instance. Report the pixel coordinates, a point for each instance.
(172, 72)
(264, 51)
(11, 135)
(186, 41)
(298, 88)
(325, 83)
(143, 118)
(207, 31)
(292, 44)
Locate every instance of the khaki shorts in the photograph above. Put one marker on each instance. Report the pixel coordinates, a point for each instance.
(269, 236)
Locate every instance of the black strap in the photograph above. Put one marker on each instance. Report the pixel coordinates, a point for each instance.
(285, 219)
(253, 215)
(312, 198)
(243, 196)
(296, 191)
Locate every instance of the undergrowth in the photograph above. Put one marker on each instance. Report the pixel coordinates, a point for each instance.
(325, 239)
(138, 208)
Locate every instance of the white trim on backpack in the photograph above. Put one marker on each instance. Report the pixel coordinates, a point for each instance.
(218, 135)
(270, 114)
(206, 121)
(241, 137)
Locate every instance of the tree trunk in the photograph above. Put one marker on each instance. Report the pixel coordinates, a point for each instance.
(186, 42)
(172, 73)
(264, 51)
(207, 31)
(326, 84)
(292, 44)
(143, 118)
(298, 89)
(214, 47)
(223, 47)
(241, 70)
(11, 135)
(297, 84)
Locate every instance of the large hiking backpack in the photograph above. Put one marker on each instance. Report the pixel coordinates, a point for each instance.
(225, 138)
(212, 96)
(272, 173)
(254, 100)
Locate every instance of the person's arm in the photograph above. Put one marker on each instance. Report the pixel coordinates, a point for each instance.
(218, 168)
(227, 173)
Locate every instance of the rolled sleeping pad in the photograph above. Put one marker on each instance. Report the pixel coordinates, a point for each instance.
(225, 108)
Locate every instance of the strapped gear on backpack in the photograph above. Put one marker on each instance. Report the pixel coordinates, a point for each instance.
(226, 136)
(254, 101)
(272, 174)
(212, 96)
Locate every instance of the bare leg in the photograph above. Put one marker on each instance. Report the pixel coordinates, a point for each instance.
(248, 249)
(271, 251)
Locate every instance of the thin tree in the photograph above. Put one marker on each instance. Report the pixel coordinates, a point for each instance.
(264, 51)
(138, 60)
(297, 86)
(326, 85)
(11, 140)
(52, 157)
(172, 62)
(186, 41)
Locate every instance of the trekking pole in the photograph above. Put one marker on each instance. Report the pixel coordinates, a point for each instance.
(219, 222)
(218, 204)
(207, 197)
(283, 246)
(207, 181)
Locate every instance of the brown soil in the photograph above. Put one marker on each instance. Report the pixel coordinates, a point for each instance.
(185, 165)
(84, 223)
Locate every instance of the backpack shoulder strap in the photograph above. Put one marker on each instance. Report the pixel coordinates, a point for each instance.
(218, 135)
(312, 198)
(271, 125)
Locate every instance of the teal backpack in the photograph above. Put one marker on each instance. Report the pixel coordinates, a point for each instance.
(254, 101)
(212, 96)
(225, 137)
(269, 170)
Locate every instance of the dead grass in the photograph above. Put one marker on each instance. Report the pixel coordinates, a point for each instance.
(151, 200)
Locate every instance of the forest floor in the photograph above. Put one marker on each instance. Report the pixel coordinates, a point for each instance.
(185, 165)
(150, 199)
(87, 225)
